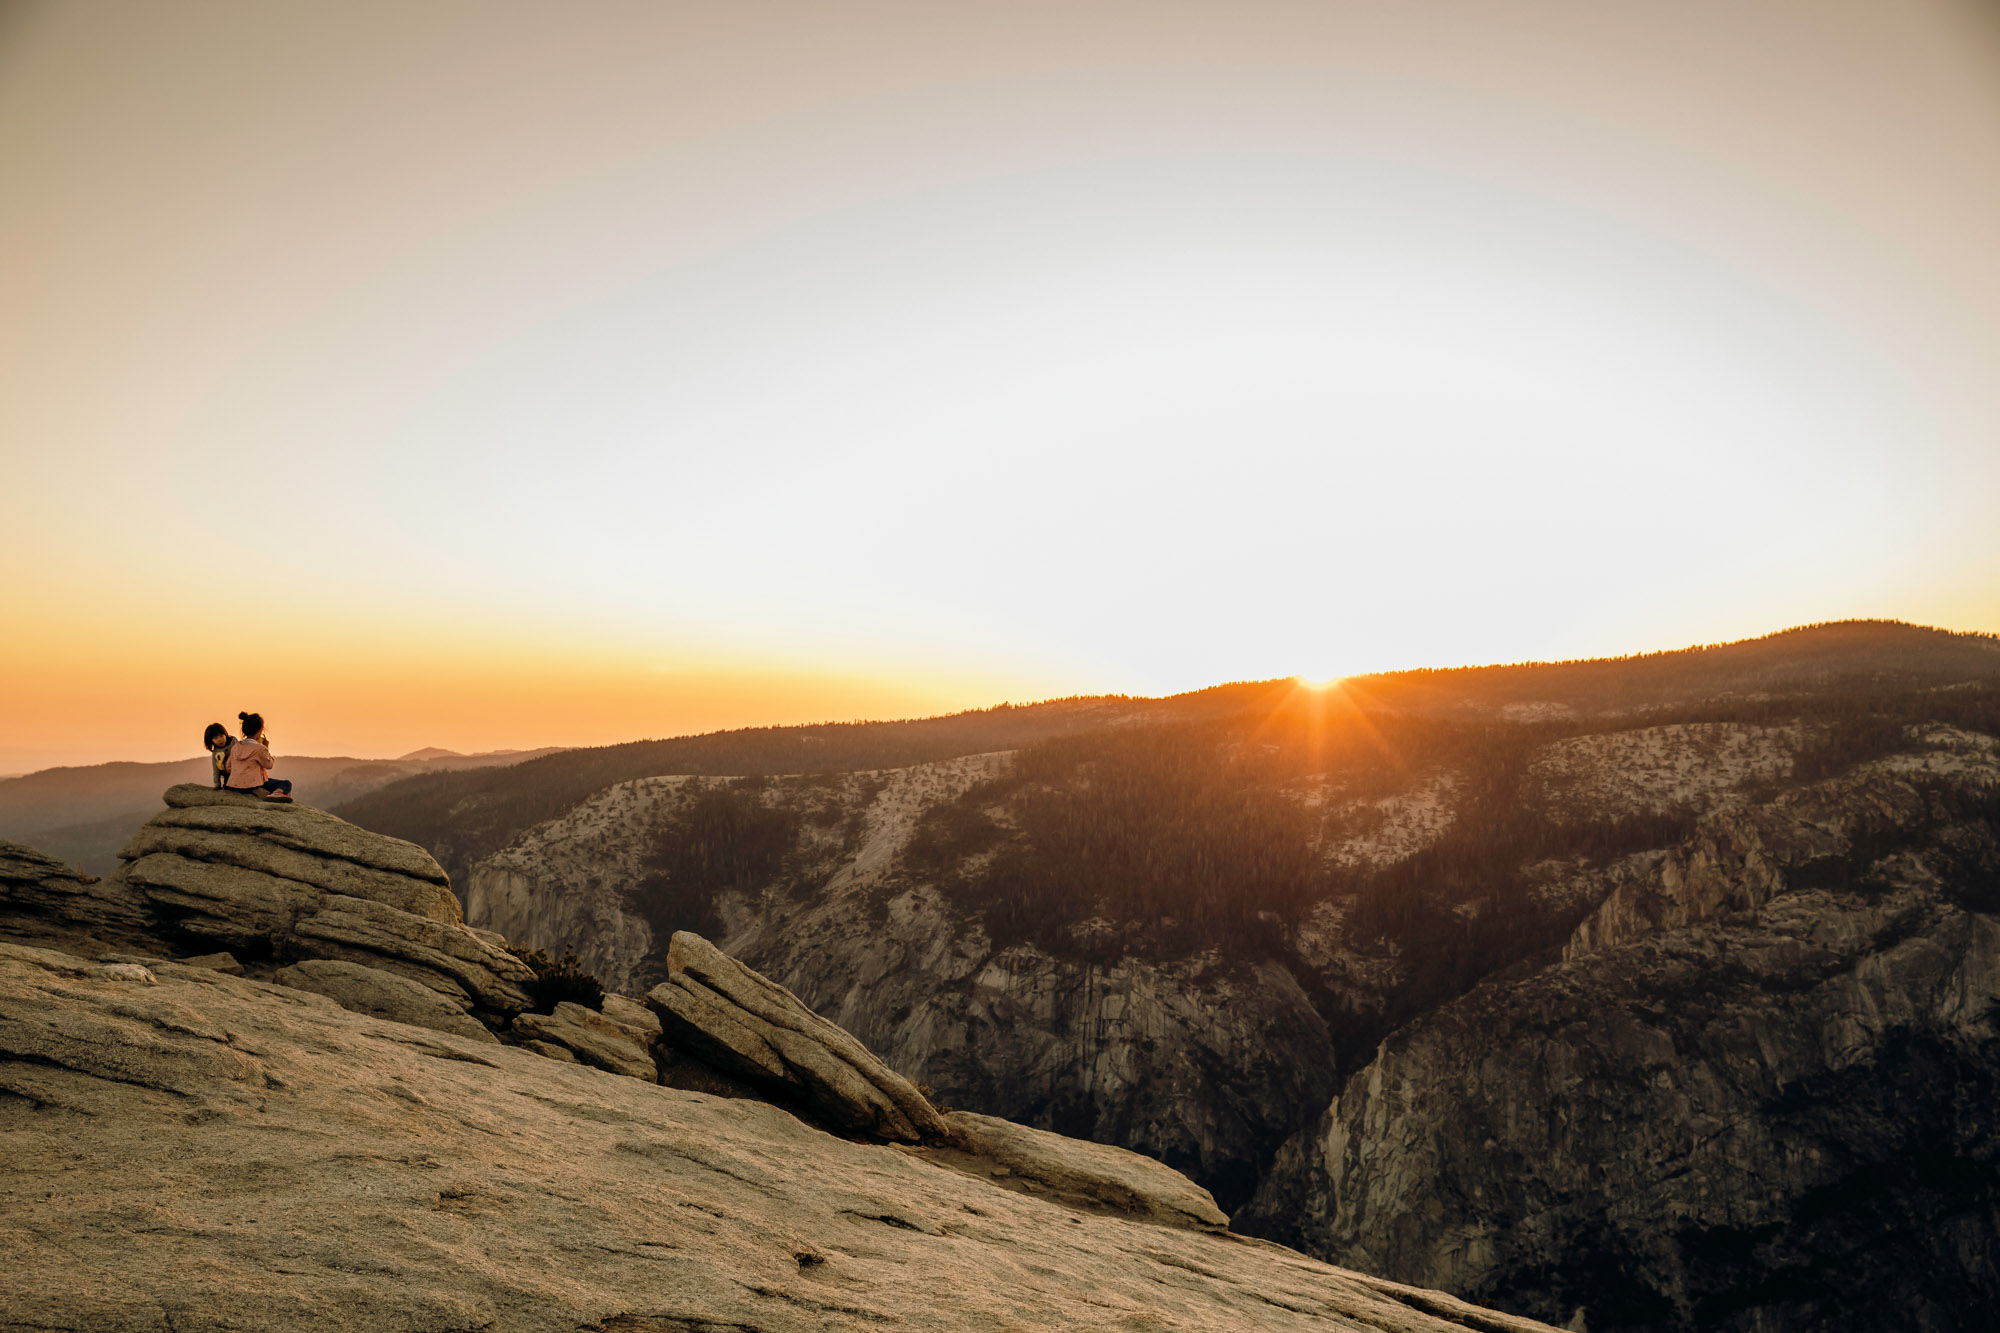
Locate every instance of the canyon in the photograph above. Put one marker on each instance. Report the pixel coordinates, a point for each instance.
(1558, 917)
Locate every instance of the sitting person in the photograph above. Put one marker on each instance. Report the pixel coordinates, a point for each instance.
(250, 763)
(216, 741)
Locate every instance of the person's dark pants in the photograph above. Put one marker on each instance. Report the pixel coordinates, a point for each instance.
(283, 786)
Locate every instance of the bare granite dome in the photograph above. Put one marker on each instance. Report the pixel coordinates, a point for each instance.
(352, 1116)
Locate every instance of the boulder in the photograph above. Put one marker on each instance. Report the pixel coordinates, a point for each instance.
(301, 827)
(256, 853)
(1078, 1173)
(379, 994)
(632, 1013)
(750, 1027)
(298, 843)
(290, 882)
(239, 909)
(595, 1039)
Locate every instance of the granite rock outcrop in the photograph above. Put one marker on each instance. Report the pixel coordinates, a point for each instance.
(1078, 1173)
(370, 990)
(748, 1026)
(276, 884)
(232, 1154)
(593, 1038)
(43, 899)
(280, 1139)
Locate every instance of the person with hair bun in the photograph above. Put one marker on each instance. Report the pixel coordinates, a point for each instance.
(250, 763)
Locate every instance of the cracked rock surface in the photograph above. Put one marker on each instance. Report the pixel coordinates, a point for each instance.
(279, 882)
(748, 1026)
(189, 1150)
(1077, 1172)
(593, 1038)
(370, 990)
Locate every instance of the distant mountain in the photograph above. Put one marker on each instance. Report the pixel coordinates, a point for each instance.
(1806, 658)
(463, 817)
(84, 814)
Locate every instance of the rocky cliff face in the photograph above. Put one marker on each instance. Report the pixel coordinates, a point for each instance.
(1203, 1057)
(202, 1141)
(1202, 1062)
(565, 885)
(1754, 1093)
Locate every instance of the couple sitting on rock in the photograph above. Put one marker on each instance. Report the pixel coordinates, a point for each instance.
(245, 765)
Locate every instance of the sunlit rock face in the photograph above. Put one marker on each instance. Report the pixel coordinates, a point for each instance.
(292, 882)
(192, 1149)
(1755, 1093)
(197, 1140)
(749, 1027)
(275, 884)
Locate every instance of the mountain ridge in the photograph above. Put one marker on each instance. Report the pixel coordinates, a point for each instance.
(464, 818)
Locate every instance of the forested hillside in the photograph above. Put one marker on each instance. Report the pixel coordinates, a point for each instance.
(1233, 835)
(1803, 658)
(463, 817)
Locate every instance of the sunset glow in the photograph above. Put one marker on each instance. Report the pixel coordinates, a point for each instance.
(505, 375)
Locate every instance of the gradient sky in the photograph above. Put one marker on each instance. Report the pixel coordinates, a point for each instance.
(500, 374)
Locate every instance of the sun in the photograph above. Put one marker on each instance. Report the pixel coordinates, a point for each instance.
(1320, 685)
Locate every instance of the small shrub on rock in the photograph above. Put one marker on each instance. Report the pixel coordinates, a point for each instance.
(559, 979)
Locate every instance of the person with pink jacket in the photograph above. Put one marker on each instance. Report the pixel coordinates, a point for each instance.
(250, 763)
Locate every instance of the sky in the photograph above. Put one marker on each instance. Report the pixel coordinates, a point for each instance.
(505, 374)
